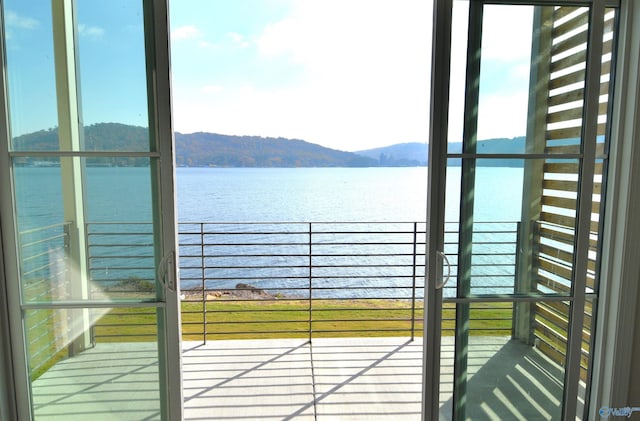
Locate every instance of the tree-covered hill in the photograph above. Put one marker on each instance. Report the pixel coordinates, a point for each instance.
(216, 150)
(195, 150)
(416, 154)
(210, 149)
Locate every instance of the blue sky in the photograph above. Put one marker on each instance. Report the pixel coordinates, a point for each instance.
(347, 74)
(111, 58)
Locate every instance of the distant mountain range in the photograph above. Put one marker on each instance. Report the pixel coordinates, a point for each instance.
(416, 154)
(216, 150)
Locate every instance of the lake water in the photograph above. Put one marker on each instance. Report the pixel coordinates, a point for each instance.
(336, 194)
(266, 195)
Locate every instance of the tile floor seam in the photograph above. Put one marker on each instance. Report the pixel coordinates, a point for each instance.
(313, 382)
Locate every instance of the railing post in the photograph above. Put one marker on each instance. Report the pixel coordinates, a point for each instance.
(516, 278)
(204, 285)
(413, 287)
(67, 317)
(310, 285)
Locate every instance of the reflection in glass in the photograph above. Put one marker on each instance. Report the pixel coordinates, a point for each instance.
(504, 365)
(108, 241)
(102, 83)
(515, 216)
(30, 74)
(101, 362)
(111, 51)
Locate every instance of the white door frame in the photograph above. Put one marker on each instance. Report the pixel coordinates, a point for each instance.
(438, 141)
(16, 384)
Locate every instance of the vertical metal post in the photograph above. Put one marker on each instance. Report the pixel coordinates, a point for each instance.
(87, 235)
(438, 135)
(516, 273)
(310, 287)
(467, 201)
(413, 276)
(533, 176)
(584, 209)
(204, 285)
(70, 135)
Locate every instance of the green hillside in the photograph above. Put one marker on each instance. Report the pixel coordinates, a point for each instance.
(216, 150)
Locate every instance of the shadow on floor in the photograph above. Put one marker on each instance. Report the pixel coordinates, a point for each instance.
(329, 379)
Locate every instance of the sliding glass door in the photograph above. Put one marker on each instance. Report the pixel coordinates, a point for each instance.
(87, 210)
(518, 156)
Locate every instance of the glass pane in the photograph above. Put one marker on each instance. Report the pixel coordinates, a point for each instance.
(93, 363)
(109, 239)
(447, 359)
(104, 85)
(31, 77)
(113, 75)
(588, 341)
(457, 75)
(510, 360)
(515, 226)
(504, 78)
(528, 95)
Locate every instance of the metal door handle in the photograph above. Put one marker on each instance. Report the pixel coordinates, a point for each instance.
(166, 272)
(442, 283)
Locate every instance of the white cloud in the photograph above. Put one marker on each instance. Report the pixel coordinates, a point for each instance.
(238, 40)
(365, 77)
(506, 46)
(13, 20)
(507, 32)
(365, 80)
(93, 32)
(186, 32)
(503, 115)
(210, 89)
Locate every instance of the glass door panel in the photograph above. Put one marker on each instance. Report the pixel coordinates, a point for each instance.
(95, 285)
(524, 166)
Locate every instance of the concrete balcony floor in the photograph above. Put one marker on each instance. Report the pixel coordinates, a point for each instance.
(286, 379)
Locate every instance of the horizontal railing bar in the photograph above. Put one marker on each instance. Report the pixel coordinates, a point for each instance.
(358, 243)
(302, 233)
(45, 228)
(45, 253)
(221, 256)
(139, 245)
(508, 298)
(302, 309)
(260, 332)
(209, 256)
(112, 268)
(297, 223)
(67, 304)
(245, 278)
(44, 240)
(96, 223)
(121, 257)
(35, 270)
(306, 266)
(118, 233)
(259, 322)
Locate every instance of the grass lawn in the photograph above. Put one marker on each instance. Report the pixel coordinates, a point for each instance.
(262, 319)
(267, 319)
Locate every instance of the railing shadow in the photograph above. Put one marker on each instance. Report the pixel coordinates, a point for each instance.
(107, 382)
(289, 379)
(514, 381)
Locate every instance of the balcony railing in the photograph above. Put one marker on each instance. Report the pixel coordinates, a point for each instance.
(266, 280)
(257, 280)
(44, 270)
